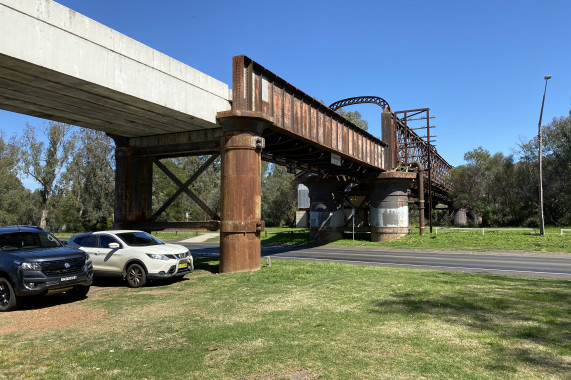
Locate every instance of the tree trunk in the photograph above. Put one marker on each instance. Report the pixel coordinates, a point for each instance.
(44, 219)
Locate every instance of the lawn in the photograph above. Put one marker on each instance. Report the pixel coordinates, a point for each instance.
(444, 240)
(298, 320)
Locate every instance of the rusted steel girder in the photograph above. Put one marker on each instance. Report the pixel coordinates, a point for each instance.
(210, 225)
(294, 113)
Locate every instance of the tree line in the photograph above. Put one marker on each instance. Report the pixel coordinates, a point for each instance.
(72, 172)
(504, 190)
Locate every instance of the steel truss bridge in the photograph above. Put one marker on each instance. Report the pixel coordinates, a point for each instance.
(412, 148)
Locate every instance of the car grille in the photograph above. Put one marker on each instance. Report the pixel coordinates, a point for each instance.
(58, 267)
(177, 256)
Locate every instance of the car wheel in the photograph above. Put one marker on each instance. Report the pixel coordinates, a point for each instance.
(78, 292)
(8, 300)
(136, 276)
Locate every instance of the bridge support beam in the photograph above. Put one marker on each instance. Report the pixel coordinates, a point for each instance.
(326, 214)
(389, 205)
(133, 187)
(389, 137)
(241, 195)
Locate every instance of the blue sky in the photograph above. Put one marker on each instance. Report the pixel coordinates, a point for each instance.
(478, 65)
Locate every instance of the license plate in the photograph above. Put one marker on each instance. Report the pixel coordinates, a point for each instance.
(68, 278)
(182, 265)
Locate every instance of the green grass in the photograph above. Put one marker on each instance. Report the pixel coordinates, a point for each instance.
(445, 240)
(297, 320)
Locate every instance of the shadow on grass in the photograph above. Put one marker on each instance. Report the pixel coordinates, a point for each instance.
(510, 313)
(289, 238)
(206, 264)
(43, 302)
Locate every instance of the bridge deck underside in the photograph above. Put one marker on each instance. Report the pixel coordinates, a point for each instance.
(40, 92)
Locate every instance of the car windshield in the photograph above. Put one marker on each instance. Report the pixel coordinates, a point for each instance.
(27, 240)
(139, 239)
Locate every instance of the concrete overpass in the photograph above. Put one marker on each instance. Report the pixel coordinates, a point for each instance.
(59, 65)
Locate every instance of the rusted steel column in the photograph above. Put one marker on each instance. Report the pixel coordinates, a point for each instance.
(326, 214)
(133, 188)
(389, 205)
(241, 192)
(420, 179)
(389, 137)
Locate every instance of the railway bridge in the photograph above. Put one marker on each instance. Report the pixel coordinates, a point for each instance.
(59, 65)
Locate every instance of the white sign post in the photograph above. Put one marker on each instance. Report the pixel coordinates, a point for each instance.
(353, 217)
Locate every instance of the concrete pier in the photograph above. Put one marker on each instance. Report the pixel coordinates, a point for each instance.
(389, 205)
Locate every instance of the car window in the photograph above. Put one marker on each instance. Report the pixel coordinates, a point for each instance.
(27, 240)
(89, 241)
(105, 240)
(139, 239)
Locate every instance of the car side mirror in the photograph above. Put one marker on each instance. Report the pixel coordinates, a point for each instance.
(114, 245)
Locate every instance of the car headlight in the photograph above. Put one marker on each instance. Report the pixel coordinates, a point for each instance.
(31, 266)
(157, 256)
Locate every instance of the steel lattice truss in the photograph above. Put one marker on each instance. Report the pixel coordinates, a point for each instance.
(412, 148)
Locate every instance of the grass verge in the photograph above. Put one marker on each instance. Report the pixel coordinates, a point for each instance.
(299, 320)
(445, 240)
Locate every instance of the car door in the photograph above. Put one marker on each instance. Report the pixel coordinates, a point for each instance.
(88, 243)
(112, 259)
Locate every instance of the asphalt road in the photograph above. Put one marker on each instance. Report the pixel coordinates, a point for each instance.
(516, 264)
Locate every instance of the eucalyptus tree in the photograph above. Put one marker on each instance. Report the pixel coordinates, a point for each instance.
(354, 117)
(87, 194)
(44, 159)
(279, 196)
(16, 206)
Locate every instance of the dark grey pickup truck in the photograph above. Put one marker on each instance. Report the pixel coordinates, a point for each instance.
(34, 262)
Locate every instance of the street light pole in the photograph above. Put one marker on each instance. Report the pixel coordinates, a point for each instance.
(541, 221)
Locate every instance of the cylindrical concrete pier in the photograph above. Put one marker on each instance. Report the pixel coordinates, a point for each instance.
(326, 217)
(389, 206)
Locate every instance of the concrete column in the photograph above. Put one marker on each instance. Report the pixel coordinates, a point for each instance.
(460, 217)
(133, 188)
(241, 192)
(326, 216)
(389, 205)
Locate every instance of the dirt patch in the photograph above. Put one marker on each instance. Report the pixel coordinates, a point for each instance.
(158, 291)
(48, 313)
(298, 374)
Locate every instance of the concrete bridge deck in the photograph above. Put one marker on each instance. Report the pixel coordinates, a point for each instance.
(59, 65)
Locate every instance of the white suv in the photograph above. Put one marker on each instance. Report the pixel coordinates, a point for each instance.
(135, 255)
